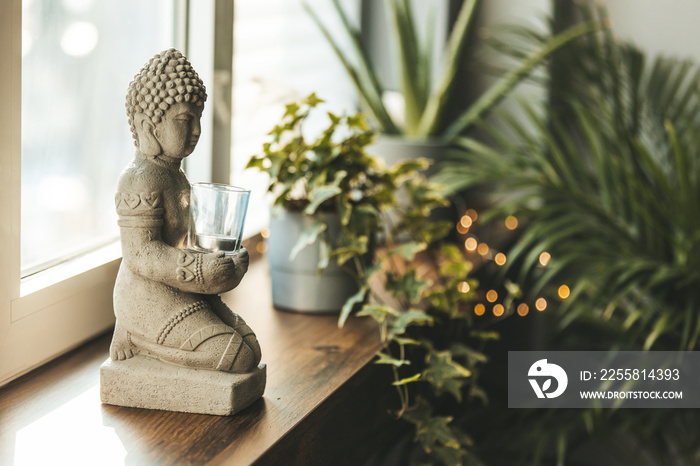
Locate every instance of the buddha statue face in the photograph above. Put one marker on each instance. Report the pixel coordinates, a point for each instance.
(164, 105)
(178, 131)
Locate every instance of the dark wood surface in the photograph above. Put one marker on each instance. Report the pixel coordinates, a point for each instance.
(325, 402)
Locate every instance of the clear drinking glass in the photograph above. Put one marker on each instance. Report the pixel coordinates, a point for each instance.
(217, 215)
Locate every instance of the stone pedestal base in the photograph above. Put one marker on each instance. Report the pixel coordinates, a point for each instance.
(143, 382)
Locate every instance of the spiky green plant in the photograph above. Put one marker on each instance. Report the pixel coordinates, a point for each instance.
(426, 102)
(608, 182)
(613, 195)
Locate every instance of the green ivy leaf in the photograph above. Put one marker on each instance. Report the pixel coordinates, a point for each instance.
(344, 210)
(453, 263)
(485, 335)
(312, 100)
(291, 109)
(453, 387)
(432, 232)
(419, 413)
(476, 392)
(444, 374)
(369, 271)
(407, 380)
(472, 355)
(364, 218)
(455, 269)
(408, 167)
(350, 304)
(451, 252)
(436, 431)
(412, 317)
(335, 119)
(406, 341)
(324, 255)
(383, 358)
(408, 285)
(320, 195)
(256, 162)
(350, 247)
(449, 455)
(358, 121)
(378, 312)
(308, 237)
(438, 300)
(407, 250)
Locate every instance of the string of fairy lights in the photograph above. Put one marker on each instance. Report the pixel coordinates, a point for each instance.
(486, 252)
(473, 246)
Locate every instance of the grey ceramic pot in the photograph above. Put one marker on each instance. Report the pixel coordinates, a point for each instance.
(297, 285)
(392, 149)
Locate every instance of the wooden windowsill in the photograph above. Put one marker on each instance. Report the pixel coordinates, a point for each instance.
(325, 402)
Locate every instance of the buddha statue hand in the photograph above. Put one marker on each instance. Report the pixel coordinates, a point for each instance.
(213, 273)
(221, 273)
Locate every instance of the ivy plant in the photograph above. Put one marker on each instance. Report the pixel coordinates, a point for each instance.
(330, 173)
(414, 285)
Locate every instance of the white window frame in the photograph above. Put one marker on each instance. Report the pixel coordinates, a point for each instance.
(44, 317)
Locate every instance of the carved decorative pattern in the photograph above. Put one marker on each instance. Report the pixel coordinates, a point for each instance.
(189, 267)
(202, 335)
(198, 270)
(185, 258)
(137, 202)
(177, 318)
(184, 274)
(230, 353)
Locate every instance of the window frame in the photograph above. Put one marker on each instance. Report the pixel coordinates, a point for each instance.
(61, 314)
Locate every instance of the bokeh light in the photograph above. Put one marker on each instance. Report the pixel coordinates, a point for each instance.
(500, 258)
(491, 296)
(541, 304)
(523, 309)
(563, 292)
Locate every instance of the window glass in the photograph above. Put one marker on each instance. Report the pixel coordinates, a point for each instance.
(78, 57)
(279, 56)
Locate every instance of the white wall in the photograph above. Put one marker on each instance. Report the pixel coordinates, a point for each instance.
(671, 27)
(523, 12)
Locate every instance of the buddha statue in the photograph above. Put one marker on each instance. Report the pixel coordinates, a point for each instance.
(166, 297)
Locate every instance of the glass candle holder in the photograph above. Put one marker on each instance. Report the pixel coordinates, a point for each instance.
(217, 216)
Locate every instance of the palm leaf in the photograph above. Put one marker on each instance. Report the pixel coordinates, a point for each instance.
(506, 83)
(611, 191)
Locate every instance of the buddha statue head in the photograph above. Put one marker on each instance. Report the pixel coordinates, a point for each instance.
(164, 104)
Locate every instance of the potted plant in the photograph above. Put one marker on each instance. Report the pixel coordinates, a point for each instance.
(426, 127)
(328, 195)
(331, 199)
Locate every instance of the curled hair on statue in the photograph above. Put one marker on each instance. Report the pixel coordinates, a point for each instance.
(166, 79)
